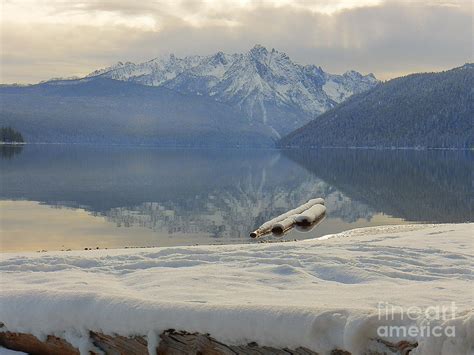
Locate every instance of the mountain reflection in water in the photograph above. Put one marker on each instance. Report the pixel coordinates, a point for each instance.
(222, 195)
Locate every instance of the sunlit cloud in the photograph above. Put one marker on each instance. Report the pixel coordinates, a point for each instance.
(28, 13)
(144, 14)
(43, 39)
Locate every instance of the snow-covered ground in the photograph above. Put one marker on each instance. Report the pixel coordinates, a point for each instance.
(4, 351)
(338, 291)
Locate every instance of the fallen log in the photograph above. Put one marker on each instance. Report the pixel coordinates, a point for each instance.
(172, 342)
(118, 344)
(310, 216)
(266, 228)
(310, 227)
(32, 345)
(280, 228)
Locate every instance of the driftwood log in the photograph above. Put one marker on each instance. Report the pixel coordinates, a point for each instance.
(266, 228)
(172, 342)
(310, 216)
(310, 227)
(283, 226)
(32, 345)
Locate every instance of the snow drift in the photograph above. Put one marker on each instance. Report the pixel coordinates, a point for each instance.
(320, 293)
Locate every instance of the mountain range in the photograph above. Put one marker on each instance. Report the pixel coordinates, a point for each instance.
(433, 110)
(243, 99)
(265, 86)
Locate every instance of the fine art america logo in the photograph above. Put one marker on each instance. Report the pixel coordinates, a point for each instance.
(423, 322)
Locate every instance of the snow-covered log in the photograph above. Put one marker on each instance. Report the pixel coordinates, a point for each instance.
(282, 227)
(311, 226)
(266, 228)
(310, 216)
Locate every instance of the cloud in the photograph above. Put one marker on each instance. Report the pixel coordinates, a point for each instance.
(388, 38)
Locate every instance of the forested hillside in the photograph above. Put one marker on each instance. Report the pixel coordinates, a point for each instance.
(102, 110)
(419, 110)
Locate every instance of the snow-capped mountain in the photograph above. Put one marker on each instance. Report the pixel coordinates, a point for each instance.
(266, 86)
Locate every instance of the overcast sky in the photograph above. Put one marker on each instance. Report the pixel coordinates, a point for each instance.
(41, 39)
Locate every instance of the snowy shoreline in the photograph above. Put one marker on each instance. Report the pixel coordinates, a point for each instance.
(322, 294)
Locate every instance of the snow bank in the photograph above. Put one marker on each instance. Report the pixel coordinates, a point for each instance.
(321, 293)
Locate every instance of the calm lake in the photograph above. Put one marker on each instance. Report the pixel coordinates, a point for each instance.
(57, 197)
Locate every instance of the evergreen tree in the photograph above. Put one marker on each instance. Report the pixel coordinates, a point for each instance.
(9, 135)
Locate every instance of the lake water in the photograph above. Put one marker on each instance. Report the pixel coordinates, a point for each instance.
(57, 197)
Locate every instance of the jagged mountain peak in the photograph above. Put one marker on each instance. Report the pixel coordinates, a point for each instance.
(265, 85)
(262, 54)
(258, 51)
(355, 75)
(219, 58)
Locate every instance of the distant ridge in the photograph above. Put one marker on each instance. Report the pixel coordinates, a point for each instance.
(433, 110)
(102, 110)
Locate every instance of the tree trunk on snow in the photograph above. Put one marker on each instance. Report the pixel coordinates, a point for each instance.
(171, 343)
